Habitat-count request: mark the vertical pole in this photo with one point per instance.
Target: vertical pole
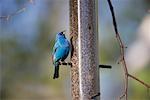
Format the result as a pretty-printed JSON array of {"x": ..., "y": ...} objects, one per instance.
[
  {"x": 85, "y": 69},
  {"x": 74, "y": 54},
  {"x": 88, "y": 49}
]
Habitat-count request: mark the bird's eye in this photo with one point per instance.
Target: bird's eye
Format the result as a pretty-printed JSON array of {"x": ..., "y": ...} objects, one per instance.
[{"x": 61, "y": 33}]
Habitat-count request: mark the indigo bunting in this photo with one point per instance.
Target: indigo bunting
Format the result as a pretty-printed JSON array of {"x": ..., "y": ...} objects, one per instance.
[{"x": 60, "y": 52}]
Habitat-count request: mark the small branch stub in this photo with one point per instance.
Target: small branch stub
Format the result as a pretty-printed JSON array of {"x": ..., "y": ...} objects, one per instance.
[{"x": 105, "y": 66}]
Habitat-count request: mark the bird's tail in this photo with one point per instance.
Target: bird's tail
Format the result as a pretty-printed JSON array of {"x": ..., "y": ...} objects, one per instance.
[{"x": 56, "y": 71}]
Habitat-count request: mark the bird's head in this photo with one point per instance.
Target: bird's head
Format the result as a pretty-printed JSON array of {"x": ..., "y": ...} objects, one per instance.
[{"x": 60, "y": 35}]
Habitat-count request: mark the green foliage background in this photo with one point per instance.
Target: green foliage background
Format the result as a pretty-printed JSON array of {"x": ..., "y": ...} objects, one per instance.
[{"x": 26, "y": 42}]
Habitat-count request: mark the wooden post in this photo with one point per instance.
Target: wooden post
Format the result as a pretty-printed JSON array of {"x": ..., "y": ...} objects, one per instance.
[{"x": 84, "y": 33}]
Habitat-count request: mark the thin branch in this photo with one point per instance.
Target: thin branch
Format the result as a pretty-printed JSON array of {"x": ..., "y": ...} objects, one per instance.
[
  {"x": 20, "y": 10},
  {"x": 143, "y": 83},
  {"x": 121, "y": 50},
  {"x": 122, "y": 53},
  {"x": 32, "y": 1}
]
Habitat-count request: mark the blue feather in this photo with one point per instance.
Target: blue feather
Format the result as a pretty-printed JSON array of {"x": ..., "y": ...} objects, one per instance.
[{"x": 60, "y": 51}]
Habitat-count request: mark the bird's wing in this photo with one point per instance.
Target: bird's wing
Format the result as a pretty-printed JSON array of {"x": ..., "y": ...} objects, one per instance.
[
  {"x": 63, "y": 42},
  {"x": 54, "y": 50}
]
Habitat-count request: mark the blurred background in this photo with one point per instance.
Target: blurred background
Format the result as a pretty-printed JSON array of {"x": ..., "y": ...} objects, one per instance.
[{"x": 27, "y": 38}]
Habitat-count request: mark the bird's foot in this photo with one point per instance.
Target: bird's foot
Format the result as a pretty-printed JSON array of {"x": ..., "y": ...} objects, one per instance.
[{"x": 64, "y": 63}]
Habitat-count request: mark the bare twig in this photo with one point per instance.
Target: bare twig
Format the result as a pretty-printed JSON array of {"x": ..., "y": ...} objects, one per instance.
[
  {"x": 133, "y": 77},
  {"x": 20, "y": 10},
  {"x": 122, "y": 57},
  {"x": 32, "y": 1}
]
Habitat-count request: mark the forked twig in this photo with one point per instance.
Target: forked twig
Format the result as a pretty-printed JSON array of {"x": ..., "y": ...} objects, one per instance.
[
  {"x": 20, "y": 10},
  {"x": 122, "y": 53}
]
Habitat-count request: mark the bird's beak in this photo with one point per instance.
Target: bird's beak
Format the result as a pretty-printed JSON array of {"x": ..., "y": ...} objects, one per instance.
[{"x": 63, "y": 31}]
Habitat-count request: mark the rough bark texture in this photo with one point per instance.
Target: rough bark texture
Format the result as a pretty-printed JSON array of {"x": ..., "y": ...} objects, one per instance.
[{"x": 74, "y": 54}]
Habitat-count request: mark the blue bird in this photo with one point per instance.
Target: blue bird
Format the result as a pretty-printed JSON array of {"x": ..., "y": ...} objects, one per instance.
[{"x": 60, "y": 52}]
